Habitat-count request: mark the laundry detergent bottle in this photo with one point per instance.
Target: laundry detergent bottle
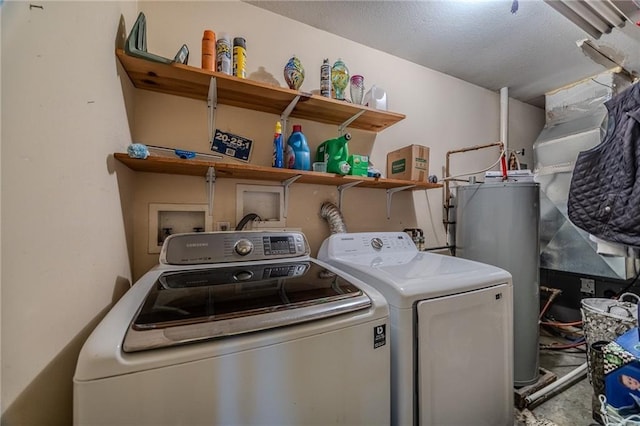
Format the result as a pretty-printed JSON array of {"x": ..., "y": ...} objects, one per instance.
[
  {"x": 298, "y": 150},
  {"x": 335, "y": 153}
]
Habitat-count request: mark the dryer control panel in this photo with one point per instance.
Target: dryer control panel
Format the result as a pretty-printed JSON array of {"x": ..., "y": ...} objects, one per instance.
[{"x": 221, "y": 247}]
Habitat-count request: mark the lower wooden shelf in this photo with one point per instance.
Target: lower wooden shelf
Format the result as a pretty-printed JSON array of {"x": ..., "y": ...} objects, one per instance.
[{"x": 197, "y": 167}]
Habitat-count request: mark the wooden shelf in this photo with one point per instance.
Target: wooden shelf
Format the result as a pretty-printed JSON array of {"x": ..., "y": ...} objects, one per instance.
[
  {"x": 195, "y": 167},
  {"x": 192, "y": 82}
]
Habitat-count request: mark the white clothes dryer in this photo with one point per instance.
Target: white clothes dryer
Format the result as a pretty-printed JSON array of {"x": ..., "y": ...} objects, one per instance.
[
  {"x": 238, "y": 328},
  {"x": 451, "y": 329}
]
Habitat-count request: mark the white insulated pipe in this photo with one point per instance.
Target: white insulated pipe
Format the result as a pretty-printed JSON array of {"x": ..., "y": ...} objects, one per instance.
[
  {"x": 545, "y": 392},
  {"x": 504, "y": 118}
]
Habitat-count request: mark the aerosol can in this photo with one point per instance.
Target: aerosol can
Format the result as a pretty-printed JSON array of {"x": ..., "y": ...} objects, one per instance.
[{"x": 335, "y": 153}]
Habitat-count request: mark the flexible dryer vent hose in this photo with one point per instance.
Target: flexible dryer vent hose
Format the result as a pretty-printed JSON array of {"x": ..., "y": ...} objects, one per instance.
[{"x": 331, "y": 213}]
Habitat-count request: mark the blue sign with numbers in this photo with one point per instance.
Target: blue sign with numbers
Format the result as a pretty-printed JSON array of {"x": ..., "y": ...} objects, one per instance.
[{"x": 231, "y": 145}]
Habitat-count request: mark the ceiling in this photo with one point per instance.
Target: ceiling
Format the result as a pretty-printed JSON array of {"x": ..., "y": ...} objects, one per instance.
[{"x": 531, "y": 51}]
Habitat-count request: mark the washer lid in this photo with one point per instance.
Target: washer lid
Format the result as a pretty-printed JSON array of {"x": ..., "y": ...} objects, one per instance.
[
  {"x": 403, "y": 274},
  {"x": 188, "y": 306},
  {"x": 402, "y": 281}
]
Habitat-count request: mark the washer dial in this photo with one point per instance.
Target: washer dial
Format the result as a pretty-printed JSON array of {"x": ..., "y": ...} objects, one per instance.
[
  {"x": 377, "y": 244},
  {"x": 243, "y": 247}
]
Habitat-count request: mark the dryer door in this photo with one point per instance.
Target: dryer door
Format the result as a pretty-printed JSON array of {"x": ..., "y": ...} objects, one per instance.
[{"x": 465, "y": 358}]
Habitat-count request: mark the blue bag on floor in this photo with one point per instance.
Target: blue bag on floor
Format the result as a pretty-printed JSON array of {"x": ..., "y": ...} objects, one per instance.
[{"x": 622, "y": 379}]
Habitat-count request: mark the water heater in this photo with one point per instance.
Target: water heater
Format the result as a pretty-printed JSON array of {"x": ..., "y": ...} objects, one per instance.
[{"x": 498, "y": 224}]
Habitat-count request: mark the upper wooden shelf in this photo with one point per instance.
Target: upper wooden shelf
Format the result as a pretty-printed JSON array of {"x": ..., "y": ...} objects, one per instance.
[
  {"x": 192, "y": 82},
  {"x": 194, "y": 167}
]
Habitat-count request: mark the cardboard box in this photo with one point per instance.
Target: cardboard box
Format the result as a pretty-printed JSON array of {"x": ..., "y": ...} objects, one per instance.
[{"x": 409, "y": 163}]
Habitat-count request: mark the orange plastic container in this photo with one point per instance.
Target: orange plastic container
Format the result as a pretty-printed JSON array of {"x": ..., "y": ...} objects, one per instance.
[{"x": 209, "y": 50}]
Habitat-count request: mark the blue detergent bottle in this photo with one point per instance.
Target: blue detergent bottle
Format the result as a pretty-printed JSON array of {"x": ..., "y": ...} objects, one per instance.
[{"x": 298, "y": 150}]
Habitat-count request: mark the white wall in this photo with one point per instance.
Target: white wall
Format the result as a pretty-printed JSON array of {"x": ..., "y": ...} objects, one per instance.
[
  {"x": 442, "y": 112},
  {"x": 65, "y": 253},
  {"x": 73, "y": 218}
]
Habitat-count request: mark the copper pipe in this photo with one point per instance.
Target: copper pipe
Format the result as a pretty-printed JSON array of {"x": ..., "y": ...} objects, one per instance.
[
  {"x": 474, "y": 148},
  {"x": 555, "y": 292},
  {"x": 446, "y": 196}
]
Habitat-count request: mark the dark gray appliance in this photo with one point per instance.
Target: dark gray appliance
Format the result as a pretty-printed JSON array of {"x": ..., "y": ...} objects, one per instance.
[{"x": 497, "y": 224}]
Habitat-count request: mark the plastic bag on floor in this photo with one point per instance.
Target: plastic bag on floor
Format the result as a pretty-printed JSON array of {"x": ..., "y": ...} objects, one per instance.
[{"x": 610, "y": 416}]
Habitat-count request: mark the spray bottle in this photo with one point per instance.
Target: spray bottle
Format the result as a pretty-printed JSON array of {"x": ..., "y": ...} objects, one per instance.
[
  {"x": 278, "y": 148},
  {"x": 239, "y": 57},
  {"x": 223, "y": 54}
]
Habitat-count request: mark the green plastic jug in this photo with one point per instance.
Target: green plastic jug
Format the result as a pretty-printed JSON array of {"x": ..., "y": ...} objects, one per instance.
[{"x": 335, "y": 153}]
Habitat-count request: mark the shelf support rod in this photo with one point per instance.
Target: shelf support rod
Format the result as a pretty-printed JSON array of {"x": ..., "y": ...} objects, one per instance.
[
  {"x": 344, "y": 125},
  {"x": 342, "y": 188},
  {"x": 285, "y": 114},
  {"x": 390, "y": 193},
  {"x": 286, "y": 184},
  {"x": 211, "y": 180},
  {"x": 212, "y": 104}
]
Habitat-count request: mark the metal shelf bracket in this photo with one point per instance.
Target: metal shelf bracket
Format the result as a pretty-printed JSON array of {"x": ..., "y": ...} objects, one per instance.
[
  {"x": 286, "y": 184},
  {"x": 211, "y": 180},
  {"x": 344, "y": 125},
  {"x": 212, "y": 104},
  {"x": 285, "y": 114},
  {"x": 341, "y": 188},
  {"x": 390, "y": 193}
]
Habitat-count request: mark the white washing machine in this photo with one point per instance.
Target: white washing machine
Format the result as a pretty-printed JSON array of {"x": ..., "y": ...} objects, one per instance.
[
  {"x": 238, "y": 328},
  {"x": 451, "y": 329}
]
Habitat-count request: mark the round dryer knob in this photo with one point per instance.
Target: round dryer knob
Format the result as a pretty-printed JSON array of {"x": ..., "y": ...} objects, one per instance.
[
  {"x": 377, "y": 243},
  {"x": 243, "y": 247}
]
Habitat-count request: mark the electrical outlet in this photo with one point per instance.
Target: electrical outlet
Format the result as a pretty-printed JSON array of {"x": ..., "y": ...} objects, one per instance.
[
  {"x": 222, "y": 226},
  {"x": 587, "y": 286}
]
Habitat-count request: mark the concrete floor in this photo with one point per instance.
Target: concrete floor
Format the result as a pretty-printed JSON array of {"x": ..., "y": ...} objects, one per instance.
[{"x": 570, "y": 405}]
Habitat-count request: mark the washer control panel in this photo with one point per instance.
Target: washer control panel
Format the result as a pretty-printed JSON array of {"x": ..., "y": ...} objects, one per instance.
[
  {"x": 220, "y": 247},
  {"x": 362, "y": 243}
]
